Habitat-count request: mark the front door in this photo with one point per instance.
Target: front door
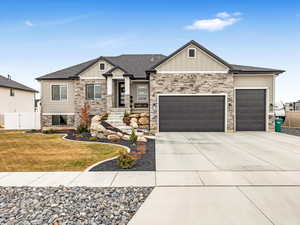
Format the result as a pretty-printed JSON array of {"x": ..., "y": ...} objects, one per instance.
[{"x": 121, "y": 90}]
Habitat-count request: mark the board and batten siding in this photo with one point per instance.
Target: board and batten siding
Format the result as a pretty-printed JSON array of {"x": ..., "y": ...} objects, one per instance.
[
  {"x": 94, "y": 70},
  {"x": 49, "y": 106},
  {"x": 260, "y": 81},
  {"x": 181, "y": 62}
]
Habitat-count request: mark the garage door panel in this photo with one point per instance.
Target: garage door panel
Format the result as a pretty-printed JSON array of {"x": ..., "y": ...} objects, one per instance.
[
  {"x": 191, "y": 113},
  {"x": 250, "y": 109}
]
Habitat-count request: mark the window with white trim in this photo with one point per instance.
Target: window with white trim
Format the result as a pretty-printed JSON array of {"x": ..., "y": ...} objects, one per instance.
[
  {"x": 192, "y": 53},
  {"x": 102, "y": 66},
  {"x": 59, "y": 92},
  {"x": 93, "y": 91},
  {"x": 58, "y": 120},
  {"x": 12, "y": 92},
  {"x": 142, "y": 93}
]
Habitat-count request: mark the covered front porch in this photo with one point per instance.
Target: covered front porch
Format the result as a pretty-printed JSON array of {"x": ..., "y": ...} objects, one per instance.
[{"x": 124, "y": 92}]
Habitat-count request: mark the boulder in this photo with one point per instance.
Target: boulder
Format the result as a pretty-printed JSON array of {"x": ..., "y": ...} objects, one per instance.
[
  {"x": 142, "y": 139},
  {"x": 144, "y": 114},
  {"x": 125, "y": 137},
  {"x": 96, "y": 118},
  {"x": 134, "y": 125},
  {"x": 119, "y": 134},
  {"x": 113, "y": 137},
  {"x": 144, "y": 120},
  {"x": 100, "y": 135},
  {"x": 133, "y": 120},
  {"x": 134, "y": 116}
]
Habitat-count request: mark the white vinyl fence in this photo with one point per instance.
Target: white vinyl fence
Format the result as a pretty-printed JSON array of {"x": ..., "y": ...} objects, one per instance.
[{"x": 22, "y": 121}]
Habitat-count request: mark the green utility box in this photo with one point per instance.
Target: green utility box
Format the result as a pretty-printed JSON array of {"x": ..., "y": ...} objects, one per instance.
[{"x": 278, "y": 123}]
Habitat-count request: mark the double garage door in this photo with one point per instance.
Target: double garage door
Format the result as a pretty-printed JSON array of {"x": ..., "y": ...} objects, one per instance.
[{"x": 206, "y": 113}]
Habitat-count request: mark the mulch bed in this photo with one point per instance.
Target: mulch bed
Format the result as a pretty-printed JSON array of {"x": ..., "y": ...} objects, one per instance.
[
  {"x": 146, "y": 162},
  {"x": 291, "y": 131}
]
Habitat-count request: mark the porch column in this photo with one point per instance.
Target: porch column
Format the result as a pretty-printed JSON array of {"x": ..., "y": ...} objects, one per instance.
[
  {"x": 127, "y": 92},
  {"x": 109, "y": 84}
]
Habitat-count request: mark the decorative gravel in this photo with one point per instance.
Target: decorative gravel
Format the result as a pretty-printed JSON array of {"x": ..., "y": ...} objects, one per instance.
[
  {"x": 291, "y": 131},
  {"x": 70, "y": 205}
]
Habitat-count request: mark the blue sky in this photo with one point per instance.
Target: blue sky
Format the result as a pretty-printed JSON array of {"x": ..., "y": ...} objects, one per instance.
[{"x": 38, "y": 37}]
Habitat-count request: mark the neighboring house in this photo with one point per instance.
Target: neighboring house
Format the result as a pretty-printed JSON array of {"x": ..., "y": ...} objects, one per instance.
[
  {"x": 15, "y": 97},
  {"x": 192, "y": 89},
  {"x": 292, "y": 106}
]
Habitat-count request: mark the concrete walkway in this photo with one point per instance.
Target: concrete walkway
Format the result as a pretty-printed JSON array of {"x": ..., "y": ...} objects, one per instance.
[
  {"x": 220, "y": 206},
  {"x": 159, "y": 178}
]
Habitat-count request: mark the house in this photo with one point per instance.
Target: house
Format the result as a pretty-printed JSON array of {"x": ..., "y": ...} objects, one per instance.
[
  {"x": 292, "y": 106},
  {"x": 192, "y": 89},
  {"x": 15, "y": 97}
]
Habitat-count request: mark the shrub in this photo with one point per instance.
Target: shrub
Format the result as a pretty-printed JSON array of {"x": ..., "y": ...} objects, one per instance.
[
  {"x": 93, "y": 138},
  {"x": 51, "y": 131},
  {"x": 85, "y": 119},
  {"x": 125, "y": 161},
  {"x": 32, "y": 131},
  {"x": 104, "y": 117},
  {"x": 82, "y": 129},
  {"x": 126, "y": 114},
  {"x": 133, "y": 137}
]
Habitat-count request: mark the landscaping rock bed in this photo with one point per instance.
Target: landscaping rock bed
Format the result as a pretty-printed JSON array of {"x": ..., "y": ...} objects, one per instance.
[
  {"x": 291, "y": 131},
  {"x": 70, "y": 205},
  {"x": 145, "y": 163}
]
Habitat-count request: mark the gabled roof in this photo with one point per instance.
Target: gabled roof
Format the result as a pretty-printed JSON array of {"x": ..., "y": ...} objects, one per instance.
[
  {"x": 134, "y": 64},
  {"x": 137, "y": 65},
  {"x": 69, "y": 72},
  {"x": 8, "y": 83},
  {"x": 192, "y": 42}
]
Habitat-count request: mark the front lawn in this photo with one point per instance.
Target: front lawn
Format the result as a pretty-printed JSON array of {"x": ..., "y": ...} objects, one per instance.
[{"x": 20, "y": 151}]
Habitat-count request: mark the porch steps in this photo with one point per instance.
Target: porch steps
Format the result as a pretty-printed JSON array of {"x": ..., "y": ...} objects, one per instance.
[{"x": 115, "y": 118}]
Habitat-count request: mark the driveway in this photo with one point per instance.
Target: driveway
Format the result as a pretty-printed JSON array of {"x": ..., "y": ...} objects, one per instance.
[
  {"x": 241, "y": 151},
  {"x": 241, "y": 178}
]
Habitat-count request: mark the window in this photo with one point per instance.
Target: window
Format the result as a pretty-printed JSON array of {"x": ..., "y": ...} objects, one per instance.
[
  {"x": 93, "y": 91},
  {"x": 142, "y": 93},
  {"x": 192, "y": 53},
  {"x": 59, "y": 120},
  {"x": 12, "y": 92},
  {"x": 59, "y": 92},
  {"x": 102, "y": 66}
]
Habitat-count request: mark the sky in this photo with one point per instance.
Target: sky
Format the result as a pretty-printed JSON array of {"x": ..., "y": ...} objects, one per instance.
[{"x": 39, "y": 37}]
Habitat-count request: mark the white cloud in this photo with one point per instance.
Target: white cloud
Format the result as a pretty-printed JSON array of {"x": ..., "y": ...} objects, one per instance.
[
  {"x": 28, "y": 23},
  {"x": 212, "y": 24},
  {"x": 237, "y": 14},
  {"x": 223, "y": 15},
  {"x": 222, "y": 20}
]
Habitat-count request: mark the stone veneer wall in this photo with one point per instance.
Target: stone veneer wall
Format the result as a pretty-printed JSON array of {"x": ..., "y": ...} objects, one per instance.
[
  {"x": 46, "y": 121},
  {"x": 97, "y": 106},
  {"x": 191, "y": 84},
  {"x": 271, "y": 122}
]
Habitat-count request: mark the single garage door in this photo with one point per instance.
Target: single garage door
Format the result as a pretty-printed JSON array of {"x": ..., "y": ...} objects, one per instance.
[
  {"x": 191, "y": 113},
  {"x": 250, "y": 109}
]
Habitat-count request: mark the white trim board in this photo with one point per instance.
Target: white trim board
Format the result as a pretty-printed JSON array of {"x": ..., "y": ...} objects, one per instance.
[
  {"x": 189, "y": 72},
  {"x": 267, "y": 105},
  {"x": 202, "y": 94},
  {"x": 62, "y": 114}
]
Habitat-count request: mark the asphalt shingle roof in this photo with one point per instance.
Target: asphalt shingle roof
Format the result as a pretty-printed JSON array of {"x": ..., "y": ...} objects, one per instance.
[
  {"x": 138, "y": 64},
  {"x": 240, "y": 68},
  {"x": 8, "y": 83}
]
